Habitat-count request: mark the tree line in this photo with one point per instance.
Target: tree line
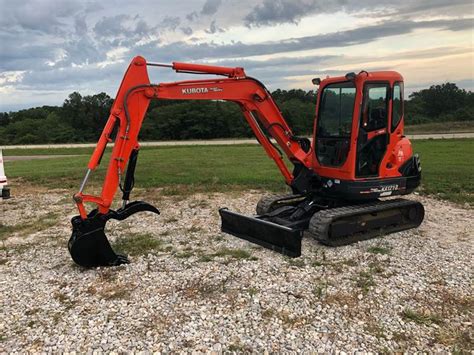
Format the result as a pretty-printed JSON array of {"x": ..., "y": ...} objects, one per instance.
[{"x": 81, "y": 118}]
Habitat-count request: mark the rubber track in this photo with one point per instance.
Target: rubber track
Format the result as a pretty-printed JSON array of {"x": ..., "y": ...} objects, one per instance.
[{"x": 322, "y": 220}]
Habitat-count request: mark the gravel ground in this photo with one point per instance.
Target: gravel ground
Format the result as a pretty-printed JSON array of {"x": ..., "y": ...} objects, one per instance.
[{"x": 191, "y": 287}]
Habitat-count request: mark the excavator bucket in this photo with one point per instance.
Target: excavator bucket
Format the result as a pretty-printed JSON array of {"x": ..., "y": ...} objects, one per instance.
[
  {"x": 270, "y": 235},
  {"x": 89, "y": 246}
]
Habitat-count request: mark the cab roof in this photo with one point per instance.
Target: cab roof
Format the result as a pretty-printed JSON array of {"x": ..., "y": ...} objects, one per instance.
[{"x": 388, "y": 75}]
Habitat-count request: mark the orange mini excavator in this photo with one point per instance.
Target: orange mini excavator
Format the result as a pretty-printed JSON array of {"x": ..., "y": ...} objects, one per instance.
[{"x": 357, "y": 156}]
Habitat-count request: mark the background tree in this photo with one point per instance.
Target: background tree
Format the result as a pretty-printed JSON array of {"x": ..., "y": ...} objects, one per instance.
[
  {"x": 445, "y": 102},
  {"x": 81, "y": 118}
]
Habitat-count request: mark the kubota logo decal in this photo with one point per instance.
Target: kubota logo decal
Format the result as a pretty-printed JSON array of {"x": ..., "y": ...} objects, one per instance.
[{"x": 187, "y": 91}]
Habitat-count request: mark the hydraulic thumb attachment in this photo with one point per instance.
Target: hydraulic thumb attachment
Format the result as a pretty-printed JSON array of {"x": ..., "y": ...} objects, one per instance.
[{"x": 88, "y": 245}]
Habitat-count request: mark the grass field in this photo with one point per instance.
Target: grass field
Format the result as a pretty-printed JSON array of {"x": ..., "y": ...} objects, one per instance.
[
  {"x": 448, "y": 168},
  {"x": 441, "y": 127}
]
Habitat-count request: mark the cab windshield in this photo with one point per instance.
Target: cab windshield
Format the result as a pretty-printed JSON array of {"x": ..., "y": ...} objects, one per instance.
[
  {"x": 335, "y": 123},
  {"x": 335, "y": 111}
]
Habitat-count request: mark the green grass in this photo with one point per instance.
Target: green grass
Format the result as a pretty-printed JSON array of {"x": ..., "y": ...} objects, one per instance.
[
  {"x": 49, "y": 151},
  {"x": 215, "y": 167},
  {"x": 448, "y": 168},
  {"x": 441, "y": 127},
  {"x": 138, "y": 244},
  {"x": 234, "y": 253},
  {"x": 320, "y": 289},
  {"x": 379, "y": 250},
  {"x": 42, "y": 223},
  {"x": 365, "y": 281},
  {"x": 238, "y": 254},
  {"x": 184, "y": 255},
  {"x": 421, "y": 318}
]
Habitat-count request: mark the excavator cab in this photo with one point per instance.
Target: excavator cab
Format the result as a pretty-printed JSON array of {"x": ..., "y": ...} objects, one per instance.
[
  {"x": 360, "y": 150},
  {"x": 358, "y": 155}
]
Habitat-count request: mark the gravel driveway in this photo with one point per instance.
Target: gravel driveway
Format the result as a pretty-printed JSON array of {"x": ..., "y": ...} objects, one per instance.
[{"x": 191, "y": 287}]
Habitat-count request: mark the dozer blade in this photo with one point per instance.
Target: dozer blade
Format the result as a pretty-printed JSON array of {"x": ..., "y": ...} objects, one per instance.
[
  {"x": 270, "y": 235},
  {"x": 89, "y": 246}
]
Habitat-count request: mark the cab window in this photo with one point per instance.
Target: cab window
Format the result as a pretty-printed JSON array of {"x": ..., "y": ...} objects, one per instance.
[
  {"x": 397, "y": 105},
  {"x": 335, "y": 123},
  {"x": 375, "y": 107},
  {"x": 335, "y": 114}
]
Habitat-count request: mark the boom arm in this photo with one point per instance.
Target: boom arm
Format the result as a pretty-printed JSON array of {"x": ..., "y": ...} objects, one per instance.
[{"x": 132, "y": 100}]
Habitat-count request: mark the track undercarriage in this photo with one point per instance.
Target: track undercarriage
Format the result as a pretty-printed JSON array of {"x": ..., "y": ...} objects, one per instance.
[{"x": 282, "y": 220}]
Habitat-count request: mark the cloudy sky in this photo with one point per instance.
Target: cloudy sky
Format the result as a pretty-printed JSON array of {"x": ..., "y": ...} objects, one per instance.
[{"x": 50, "y": 48}]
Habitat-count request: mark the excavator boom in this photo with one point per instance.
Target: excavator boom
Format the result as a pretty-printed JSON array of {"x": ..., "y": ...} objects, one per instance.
[
  {"x": 88, "y": 244},
  {"x": 133, "y": 98}
]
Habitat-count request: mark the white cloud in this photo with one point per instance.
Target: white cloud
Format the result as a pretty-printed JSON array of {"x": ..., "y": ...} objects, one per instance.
[
  {"x": 10, "y": 77},
  {"x": 61, "y": 46}
]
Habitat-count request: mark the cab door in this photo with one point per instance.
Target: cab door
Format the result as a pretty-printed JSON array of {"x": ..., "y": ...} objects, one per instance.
[
  {"x": 334, "y": 124},
  {"x": 373, "y": 135}
]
